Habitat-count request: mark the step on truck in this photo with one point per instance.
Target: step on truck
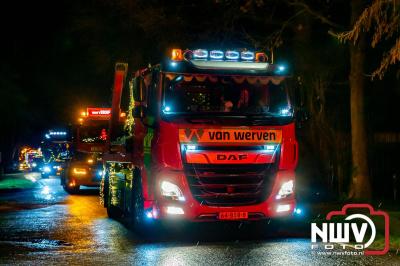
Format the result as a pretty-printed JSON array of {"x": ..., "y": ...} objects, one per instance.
[{"x": 209, "y": 136}]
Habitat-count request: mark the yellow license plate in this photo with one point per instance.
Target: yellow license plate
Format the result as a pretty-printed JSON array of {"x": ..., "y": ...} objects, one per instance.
[{"x": 233, "y": 215}]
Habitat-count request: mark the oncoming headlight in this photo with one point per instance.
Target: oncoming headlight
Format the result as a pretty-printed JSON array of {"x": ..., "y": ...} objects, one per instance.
[
  {"x": 171, "y": 190},
  {"x": 285, "y": 190},
  {"x": 47, "y": 169}
]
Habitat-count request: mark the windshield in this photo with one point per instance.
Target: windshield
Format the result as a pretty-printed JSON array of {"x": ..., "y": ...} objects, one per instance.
[
  {"x": 53, "y": 151},
  {"x": 228, "y": 95},
  {"x": 93, "y": 133}
]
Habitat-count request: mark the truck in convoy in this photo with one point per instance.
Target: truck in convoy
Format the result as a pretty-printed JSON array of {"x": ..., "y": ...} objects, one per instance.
[
  {"x": 56, "y": 150},
  {"x": 30, "y": 158},
  {"x": 89, "y": 142},
  {"x": 209, "y": 136}
]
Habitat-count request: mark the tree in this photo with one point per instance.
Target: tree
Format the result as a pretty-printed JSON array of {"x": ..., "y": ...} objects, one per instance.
[
  {"x": 360, "y": 187},
  {"x": 382, "y": 18},
  {"x": 360, "y": 184}
]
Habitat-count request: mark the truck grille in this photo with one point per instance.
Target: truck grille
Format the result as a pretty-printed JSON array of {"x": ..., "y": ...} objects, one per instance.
[{"x": 230, "y": 185}]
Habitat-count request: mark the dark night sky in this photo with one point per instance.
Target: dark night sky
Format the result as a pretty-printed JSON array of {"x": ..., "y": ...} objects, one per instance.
[
  {"x": 58, "y": 56},
  {"x": 51, "y": 60}
]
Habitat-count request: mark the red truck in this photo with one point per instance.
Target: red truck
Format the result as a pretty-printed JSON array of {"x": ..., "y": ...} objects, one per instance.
[
  {"x": 89, "y": 142},
  {"x": 210, "y": 136}
]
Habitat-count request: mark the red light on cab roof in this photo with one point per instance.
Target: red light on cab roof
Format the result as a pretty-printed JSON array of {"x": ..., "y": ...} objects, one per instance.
[{"x": 93, "y": 111}]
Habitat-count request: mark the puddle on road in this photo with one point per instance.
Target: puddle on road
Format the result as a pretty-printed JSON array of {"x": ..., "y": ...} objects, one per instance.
[
  {"x": 38, "y": 244},
  {"x": 16, "y": 206}
]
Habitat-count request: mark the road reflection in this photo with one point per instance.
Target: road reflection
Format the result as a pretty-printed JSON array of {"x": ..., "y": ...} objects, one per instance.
[{"x": 32, "y": 176}]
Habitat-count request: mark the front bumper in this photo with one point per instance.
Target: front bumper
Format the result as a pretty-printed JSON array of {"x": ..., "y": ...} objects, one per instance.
[{"x": 195, "y": 211}]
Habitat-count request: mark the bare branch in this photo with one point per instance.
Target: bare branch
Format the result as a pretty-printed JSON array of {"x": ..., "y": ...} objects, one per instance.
[
  {"x": 273, "y": 40},
  {"x": 383, "y": 17},
  {"x": 390, "y": 58},
  {"x": 375, "y": 12},
  {"x": 315, "y": 14}
]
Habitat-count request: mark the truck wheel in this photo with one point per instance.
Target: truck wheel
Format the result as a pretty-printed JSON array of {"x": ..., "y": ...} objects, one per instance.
[
  {"x": 136, "y": 217},
  {"x": 112, "y": 211},
  {"x": 71, "y": 190},
  {"x": 63, "y": 178}
]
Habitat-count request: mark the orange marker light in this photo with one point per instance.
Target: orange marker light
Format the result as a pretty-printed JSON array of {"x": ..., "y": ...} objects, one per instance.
[
  {"x": 122, "y": 114},
  {"x": 261, "y": 57},
  {"x": 83, "y": 113},
  {"x": 79, "y": 171},
  {"x": 177, "y": 55}
]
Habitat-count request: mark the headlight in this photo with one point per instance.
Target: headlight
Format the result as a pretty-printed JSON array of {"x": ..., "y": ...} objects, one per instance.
[
  {"x": 285, "y": 190},
  {"x": 79, "y": 171},
  {"x": 47, "y": 169},
  {"x": 270, "y": 148},
  {"x": 171, "y": 190}
]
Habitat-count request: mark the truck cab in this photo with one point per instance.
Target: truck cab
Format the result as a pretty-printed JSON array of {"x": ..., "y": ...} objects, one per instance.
[
  {"x": 56, "y": 150},
  {"x": 210, "y": 136},
  {"x": 89, "y": 142}
]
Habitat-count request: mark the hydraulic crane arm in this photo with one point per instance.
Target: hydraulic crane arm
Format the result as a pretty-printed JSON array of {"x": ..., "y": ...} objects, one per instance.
[{"x": 121, "y": 70}]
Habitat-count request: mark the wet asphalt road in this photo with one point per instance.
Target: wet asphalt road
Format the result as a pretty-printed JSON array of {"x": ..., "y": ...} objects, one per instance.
[{"x": 48, "y": 226}]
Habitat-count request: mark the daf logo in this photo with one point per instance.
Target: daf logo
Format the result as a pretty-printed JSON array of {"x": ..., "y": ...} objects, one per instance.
[{"x": 231, "y": 157}]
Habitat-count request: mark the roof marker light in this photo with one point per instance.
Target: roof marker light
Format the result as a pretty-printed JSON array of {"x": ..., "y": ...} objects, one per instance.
[
  {"x": 216, "y": 55},
  {"x": 200, "y": 54},
  {"x": 177, "y": 55},
  {"x": 247, "y": 55},
  {"x": 232, "y": 55}
]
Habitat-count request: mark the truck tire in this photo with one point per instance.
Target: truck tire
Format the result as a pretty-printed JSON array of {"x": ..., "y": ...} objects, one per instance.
[
  {"x": 112, "y": 211},
  {"x": 136, "y": 218},
  {"x": 71, "y": 190}
]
